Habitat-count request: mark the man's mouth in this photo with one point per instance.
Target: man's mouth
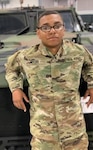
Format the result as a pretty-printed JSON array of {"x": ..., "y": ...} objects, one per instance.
[{"x": 52, "y": 38}]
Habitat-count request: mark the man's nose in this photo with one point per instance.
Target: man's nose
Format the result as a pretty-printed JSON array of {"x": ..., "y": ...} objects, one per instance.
[{"x": 52, "y": 29}]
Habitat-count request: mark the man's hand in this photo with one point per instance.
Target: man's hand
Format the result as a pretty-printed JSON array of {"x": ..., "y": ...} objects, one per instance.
[
  {"x": 17, "y": 96},
  {"x": 89, "y": 92}
]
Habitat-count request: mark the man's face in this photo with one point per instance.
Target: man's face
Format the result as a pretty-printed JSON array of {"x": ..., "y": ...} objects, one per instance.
[{"x": 51, "y": 30}]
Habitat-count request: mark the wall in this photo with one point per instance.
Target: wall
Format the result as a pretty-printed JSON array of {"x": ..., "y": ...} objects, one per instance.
[
  {"x": 85, "y": 6},
  {"x": 26, "y": 3},
  {"x": 82, "y": 6},
  {"x": 46, "y": 3},
  {"x": 53, "y": 3}
]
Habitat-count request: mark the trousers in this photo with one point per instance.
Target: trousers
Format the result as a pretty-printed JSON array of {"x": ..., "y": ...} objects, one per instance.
[{"x": 76, "y": 144}]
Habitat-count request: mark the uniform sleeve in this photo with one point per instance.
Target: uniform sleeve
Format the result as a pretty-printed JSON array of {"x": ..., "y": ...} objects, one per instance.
[
  {"x": 14, "y": 75},
  {"x": 87, "y": 71}
]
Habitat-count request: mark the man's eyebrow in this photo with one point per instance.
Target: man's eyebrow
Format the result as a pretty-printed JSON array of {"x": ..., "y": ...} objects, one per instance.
[
  {"x": 45, "y": 24},
  {"x": 57, "y": 22}
]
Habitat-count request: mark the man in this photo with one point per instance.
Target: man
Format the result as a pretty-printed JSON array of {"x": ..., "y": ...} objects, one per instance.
[{"x": 53, "y": 70}]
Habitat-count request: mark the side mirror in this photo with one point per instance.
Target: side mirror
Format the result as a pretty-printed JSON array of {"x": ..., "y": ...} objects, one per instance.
[
  {"x": 86, "y": 25},
  {"x": 90, "y": 27}
]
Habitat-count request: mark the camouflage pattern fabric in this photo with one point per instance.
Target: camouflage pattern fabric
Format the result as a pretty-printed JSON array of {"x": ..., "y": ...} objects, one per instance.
[{"x": 56, "y": 122}]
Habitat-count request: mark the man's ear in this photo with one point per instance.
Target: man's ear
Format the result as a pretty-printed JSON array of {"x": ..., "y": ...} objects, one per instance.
[
  {"x": 64, "y": 29},
  {"x": 38, "y": 33}
]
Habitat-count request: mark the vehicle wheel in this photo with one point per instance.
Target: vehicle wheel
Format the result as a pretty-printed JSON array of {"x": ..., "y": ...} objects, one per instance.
[{"x": 77, "y": 39}]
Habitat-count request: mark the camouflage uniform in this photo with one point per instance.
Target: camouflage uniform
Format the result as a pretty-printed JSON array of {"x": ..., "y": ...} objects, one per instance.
[{"x": 57, "y": 122}]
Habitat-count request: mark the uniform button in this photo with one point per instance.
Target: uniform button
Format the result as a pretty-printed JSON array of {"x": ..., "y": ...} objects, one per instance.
[{"x": 51, "y": 115}]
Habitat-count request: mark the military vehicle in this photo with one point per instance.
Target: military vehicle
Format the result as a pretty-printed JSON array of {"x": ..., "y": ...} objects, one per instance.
[
  {"x": 18, "y": 31},
  {"x": 88, "y": 21}
]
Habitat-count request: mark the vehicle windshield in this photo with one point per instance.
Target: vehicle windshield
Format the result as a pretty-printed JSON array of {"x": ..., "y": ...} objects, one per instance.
[
  {"x": 16, "y": 22},
  {"x": 71, "y": 23},
  {"x": 68, "y": 21},
  {"x": 12, "y": 23}
]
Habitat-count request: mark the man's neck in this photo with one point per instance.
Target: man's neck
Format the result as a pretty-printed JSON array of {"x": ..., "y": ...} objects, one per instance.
[{"x": 54, "y": 50}]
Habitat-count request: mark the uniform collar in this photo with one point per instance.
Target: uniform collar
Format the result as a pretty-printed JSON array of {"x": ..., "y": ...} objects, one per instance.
[{"x": 47, "y": 53}]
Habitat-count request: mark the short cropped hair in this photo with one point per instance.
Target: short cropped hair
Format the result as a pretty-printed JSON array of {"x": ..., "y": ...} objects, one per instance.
[{"x": 47, "y": 12}]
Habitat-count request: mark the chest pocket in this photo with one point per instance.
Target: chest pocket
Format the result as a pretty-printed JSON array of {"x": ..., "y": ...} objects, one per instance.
[
  {"x": 38, "y": 71},
  {"x": 73, "y": 64},
  {"x": 67, "y": 71}
]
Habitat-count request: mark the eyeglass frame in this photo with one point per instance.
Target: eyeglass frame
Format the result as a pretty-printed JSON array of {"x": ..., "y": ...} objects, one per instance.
[{"x": 50, "y": 27}]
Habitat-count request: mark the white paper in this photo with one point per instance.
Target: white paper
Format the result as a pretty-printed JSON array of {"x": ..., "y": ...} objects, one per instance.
[{"x": 84, "y": 105}]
